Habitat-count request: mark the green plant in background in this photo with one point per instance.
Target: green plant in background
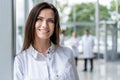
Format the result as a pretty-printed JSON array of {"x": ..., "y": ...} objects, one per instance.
[{"x": 85, "y": 12}]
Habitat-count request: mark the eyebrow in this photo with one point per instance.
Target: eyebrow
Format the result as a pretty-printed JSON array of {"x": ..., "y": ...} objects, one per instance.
[{"x": 43, "y": 17}]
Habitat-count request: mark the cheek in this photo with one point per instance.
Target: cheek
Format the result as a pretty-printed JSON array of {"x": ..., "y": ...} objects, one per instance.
[
  {"x": 37, "y": 25},
  {"x": 36, "y": 28},
  {"x": 52, "y": 29},
  {"x": 35, "y": 32}
]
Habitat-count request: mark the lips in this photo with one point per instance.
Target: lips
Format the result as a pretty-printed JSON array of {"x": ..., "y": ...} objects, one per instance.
[{"x": 43, "y": 30}]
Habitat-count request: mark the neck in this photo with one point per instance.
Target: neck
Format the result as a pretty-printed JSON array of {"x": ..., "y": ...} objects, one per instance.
[{"x": 42, "y": 46}]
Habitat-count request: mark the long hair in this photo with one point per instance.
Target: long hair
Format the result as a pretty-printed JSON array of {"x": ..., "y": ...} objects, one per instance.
[{"x": 29, "y": 35}]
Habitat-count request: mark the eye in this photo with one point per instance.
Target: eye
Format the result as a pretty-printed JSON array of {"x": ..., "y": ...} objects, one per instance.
[
  {"x": 39, "y": 19},
  {"x": 50, "y": 21}
]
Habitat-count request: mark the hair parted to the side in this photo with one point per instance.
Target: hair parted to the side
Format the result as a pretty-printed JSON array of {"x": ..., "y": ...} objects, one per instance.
[{"x": 29, "y": 35}]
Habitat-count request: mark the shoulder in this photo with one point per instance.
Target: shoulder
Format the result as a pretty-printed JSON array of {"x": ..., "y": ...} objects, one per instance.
[
  {"x": 63, "y": 50},
  {"x": 91, "y": 36},
  {"x": 24, "y": 53},
  {"x": 83, "y": 37},
  {"x": 20, "y": 57}
]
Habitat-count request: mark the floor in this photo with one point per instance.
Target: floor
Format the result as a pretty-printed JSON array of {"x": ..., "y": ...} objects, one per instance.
[{"x": 102, "y": 70}]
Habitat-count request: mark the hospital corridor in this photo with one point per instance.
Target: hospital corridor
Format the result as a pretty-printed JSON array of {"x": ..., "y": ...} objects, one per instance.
[
  {"x": 101, "y": 19},
  {"x": 102, "y": 71}
]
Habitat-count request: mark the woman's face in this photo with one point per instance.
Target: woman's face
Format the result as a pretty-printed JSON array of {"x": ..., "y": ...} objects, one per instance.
[{"x": 44, "y": 26}]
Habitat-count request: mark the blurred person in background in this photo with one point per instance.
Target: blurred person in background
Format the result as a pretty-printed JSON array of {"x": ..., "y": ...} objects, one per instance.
[
  {"x": 42, "y": 58},
  {"x": 73, "y": 44},
  {"x": 62, "y": 37},
  {"x": 87, "y": 45}
]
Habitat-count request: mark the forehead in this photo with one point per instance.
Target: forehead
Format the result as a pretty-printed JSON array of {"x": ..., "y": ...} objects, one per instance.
[{"x": 48, "y": 13}]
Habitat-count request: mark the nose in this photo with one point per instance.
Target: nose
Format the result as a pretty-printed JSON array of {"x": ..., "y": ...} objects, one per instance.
[{"x": 44, "y": 23}]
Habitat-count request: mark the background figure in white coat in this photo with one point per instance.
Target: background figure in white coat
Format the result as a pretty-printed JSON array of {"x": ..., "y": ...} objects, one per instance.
[
  {"x": 87, "y": 45},
  {"x": 73, "y": 44},
  {"x": 62, "y": 37}
]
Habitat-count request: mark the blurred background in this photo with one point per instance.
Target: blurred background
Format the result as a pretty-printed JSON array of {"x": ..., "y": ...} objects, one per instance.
[{"x": 101, "y": 17}]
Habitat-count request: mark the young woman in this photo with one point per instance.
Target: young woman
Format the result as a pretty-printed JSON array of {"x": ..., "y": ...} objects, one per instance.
[{"x": 42, "y": 58}]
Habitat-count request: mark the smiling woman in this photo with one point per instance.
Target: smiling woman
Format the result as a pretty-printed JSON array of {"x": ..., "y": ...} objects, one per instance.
[
  {"x": 42, "y": 58},
  {"x": 44, "y": 26}
]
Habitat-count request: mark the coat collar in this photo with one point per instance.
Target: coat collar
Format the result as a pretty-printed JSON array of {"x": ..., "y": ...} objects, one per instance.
[{"x": 37, "y": 54}]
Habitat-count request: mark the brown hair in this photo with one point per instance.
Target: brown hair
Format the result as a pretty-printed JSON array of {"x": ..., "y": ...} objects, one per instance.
[
  {"x": 87, "y": 30},
  {"x": 29, "y": 35}
]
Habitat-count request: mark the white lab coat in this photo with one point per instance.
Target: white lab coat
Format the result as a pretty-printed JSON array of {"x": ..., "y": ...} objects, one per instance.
[
  {"x": 87, "y": 46},
  {"x": 73, "y": 44}
]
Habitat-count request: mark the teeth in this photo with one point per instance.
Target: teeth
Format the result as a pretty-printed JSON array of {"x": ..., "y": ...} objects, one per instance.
[{"x": 43, "y": 30}]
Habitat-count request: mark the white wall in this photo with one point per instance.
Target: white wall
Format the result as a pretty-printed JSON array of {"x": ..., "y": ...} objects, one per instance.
[{"x": 6, "y": 41}]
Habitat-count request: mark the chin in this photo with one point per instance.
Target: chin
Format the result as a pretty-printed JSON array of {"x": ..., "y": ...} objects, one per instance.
[{"x": 45, "y": 37}]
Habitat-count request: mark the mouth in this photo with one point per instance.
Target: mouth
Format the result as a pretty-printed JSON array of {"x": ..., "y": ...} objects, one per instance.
[{"x": 43, "y": 30}]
